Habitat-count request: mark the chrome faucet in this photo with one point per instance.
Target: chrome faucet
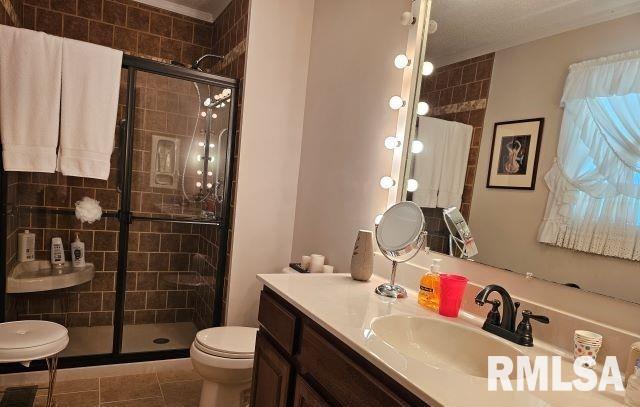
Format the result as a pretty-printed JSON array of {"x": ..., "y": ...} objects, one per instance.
[{"x": 505, "y": 327}]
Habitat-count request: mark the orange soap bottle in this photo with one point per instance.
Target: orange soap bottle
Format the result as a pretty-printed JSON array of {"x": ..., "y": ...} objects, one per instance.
[{"x": 429, "y": 295}]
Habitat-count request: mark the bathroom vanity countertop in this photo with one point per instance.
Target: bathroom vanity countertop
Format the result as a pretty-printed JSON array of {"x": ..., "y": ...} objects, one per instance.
[{"x": 346, "y": 308}]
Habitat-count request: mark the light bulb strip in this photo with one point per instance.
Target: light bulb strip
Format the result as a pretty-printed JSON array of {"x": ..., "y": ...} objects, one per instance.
[{"x": 411, "y": 86}]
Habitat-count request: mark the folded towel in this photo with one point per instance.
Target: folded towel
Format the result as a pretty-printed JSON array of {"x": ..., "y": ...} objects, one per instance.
[
  {"x": 454, "y": 167},
  {"x": 30, "y": 69},
  {"x": 90, "y": 88}
]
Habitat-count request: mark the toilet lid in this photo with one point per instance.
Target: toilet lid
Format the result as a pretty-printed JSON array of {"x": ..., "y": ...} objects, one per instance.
[
  {"x": 236, "y": 342},
  {"x": 28, "y": 334}
]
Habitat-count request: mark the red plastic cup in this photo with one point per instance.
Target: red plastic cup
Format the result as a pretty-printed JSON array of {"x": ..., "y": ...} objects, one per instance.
[{"x": 451, "y": 292}]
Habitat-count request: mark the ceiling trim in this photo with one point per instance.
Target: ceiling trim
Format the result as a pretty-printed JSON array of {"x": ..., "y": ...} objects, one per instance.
[
  {"x": 180, "y": 9},
  {"x": 624, "y": 11}
]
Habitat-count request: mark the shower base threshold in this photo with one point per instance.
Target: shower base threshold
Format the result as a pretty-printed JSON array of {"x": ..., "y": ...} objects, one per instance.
[{"x": 97, "y": 340}]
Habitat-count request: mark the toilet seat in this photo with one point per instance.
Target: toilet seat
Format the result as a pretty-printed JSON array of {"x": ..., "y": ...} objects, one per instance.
[
  {"x": 27, "y": 340},
  {"x": 230, "y": 342}
]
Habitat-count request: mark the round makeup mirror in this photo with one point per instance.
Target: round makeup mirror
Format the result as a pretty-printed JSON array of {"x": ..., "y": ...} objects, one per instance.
[{"x": 400, "y": 236}]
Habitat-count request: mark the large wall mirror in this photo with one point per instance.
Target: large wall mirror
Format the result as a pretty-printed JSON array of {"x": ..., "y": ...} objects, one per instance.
[{"x": 533, "y": 133}]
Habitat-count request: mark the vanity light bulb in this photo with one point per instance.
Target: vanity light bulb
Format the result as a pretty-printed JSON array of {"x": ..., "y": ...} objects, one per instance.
[
  {"x": 427, "y": 68},
  {"x": 199, "y": 157},
  {"x": 378, "y": 219},
  {"x": 417, "y": 146},
  {"x": 216, "y": 97},
  {"x": 215, "y": 116},
  {"x": 226, "y": 92},
  {"x": 423, "y": 108},
  {"x": 203, "y": 114},
  {"x": 396, "y": 102},
  {"x": 210, "y": 173},
  {"x": 222, "y": 105},
  {"x": 401, "y": 61},
  {"x": 198, "y": 184},
  {"x": 199, "y": 172},
  {"x": 392, "y": 142},
  {"x": 201, "y": 144},
  {"x": 209, "y": 185},
  {"x": 211, "y": 145},
  {"x": 207, "y": 102},
  {"x": 387, "y": 182},
  {"x": 412, "y": 185}
]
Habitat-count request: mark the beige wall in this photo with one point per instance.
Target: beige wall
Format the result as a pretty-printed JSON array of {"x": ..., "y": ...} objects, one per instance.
[
  {"x": 527, "y": 82},
  {"x": 272, "y": 119},
  {"x": 351, "y": 78}
]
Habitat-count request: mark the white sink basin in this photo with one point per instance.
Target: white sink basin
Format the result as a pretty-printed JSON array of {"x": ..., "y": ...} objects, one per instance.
[
  {"x": 32, "y": 276},
  {"x": 442, "y": 344}
]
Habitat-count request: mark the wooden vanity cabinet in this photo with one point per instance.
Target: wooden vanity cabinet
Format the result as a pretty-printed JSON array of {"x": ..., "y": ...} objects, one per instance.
[{"x": 298, "y": 363}]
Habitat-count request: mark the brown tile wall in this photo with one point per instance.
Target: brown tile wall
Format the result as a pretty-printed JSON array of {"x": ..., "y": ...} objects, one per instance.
[
  {"x": 133, "y": 27},
  {"x": 458, "y": 92}
]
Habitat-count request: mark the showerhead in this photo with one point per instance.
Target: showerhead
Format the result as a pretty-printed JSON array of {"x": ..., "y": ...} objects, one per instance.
[{"x": 197, "y": 62}]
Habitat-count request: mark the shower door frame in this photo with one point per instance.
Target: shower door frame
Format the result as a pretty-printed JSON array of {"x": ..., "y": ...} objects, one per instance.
[{"x": 125, "y": 217}]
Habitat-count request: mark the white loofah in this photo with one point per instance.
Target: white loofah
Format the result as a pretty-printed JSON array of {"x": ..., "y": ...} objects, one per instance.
[{"x": 88, "y": 210}]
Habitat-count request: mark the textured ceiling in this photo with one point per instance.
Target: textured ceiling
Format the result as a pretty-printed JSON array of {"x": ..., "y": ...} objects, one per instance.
[{"x": 468, "y": 28}]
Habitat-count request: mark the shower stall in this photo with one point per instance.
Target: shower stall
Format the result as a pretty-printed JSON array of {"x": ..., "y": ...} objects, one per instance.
[{"x": 159, "y": 253}]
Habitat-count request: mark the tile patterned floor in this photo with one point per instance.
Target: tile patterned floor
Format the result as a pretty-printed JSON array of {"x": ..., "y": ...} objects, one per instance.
[{"x": 163, "y": 389}]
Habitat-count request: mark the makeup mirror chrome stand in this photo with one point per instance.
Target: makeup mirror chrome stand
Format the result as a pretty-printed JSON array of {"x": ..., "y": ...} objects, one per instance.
[{"x": 400, "y": 236}]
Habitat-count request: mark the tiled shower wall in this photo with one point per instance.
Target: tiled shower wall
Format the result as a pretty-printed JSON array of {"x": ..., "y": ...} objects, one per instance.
[
  {"x": 164, "y": 257},
  {"x": 458, "y": 92}
]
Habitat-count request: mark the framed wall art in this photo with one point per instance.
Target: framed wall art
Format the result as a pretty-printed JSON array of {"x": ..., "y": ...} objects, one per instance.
[{"x": 515, "y": 150}]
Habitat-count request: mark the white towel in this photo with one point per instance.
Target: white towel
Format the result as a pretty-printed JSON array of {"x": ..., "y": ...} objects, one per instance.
[
  {"x": 427, "y": 165},
  {"x": 90, "y": 87},
  {"x": 454, "y": 168},
  {"x": 30, "y": 69}
]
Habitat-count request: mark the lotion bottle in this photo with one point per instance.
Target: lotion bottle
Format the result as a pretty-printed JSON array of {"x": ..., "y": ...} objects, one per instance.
[
  {"x": 26, "y": 246},
  {"x": 632, "y": 393},
  {"x": 77, "y": 252},
  {"x": 57, "y": 252},
  {"x": 429, "y": 294}
]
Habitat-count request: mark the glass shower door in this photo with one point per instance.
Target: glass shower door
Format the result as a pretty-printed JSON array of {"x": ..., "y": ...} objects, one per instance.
[{"x": 179, "y": 168}]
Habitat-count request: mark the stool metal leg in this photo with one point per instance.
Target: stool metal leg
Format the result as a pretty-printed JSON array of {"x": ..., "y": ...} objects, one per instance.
[{"x": 52, "y": 365}]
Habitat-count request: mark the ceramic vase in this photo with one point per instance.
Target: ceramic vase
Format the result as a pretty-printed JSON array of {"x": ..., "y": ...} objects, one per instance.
[{"x": 362, "y": 258}]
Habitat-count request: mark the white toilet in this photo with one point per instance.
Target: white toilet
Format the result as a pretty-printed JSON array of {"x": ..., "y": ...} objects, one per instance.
[{"x": 223, "y": 356}]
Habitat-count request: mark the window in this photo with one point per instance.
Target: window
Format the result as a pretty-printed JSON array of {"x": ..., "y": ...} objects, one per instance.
[{"x": 594, "y": 184}]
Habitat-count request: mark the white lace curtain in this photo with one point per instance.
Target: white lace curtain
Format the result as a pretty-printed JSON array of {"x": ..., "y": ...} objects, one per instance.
[{"x": 594, "y": 198}]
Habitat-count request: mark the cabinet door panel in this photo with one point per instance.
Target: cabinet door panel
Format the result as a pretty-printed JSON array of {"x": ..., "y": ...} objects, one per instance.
[
  {"x": 271, "y": 376},
  {"x": 340, "y": 376},
  {"x": 305, "y": 396}
]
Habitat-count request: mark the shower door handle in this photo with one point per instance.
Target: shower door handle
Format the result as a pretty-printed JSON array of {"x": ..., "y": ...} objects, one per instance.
[{"x": 123, "y": 146}]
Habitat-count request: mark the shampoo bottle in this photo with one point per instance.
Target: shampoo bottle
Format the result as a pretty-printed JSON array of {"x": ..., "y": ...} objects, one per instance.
[
  {"x": 429, "y": 295},
  {"x": 26, "y": 246},
  {"x": 77, "y": 252},
  {"x": 57, "y": 252}
]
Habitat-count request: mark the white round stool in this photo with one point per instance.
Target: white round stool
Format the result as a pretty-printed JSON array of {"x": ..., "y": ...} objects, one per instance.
[{"x": 25, "y": 341}]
